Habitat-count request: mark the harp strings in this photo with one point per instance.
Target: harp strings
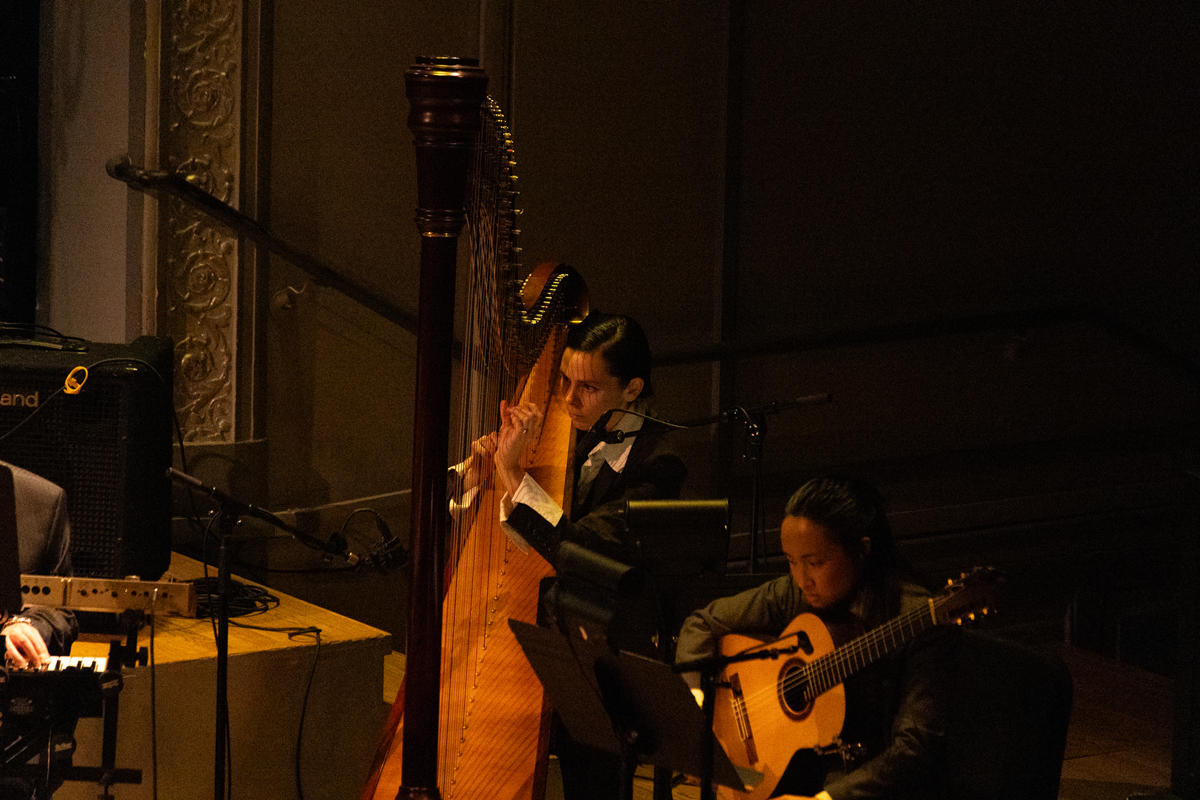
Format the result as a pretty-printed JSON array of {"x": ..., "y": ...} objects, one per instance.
[{"x": 492, "y": 331}]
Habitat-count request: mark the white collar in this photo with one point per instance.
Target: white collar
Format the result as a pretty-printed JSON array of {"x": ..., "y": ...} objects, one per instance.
[{"x": 614, "y": 454}]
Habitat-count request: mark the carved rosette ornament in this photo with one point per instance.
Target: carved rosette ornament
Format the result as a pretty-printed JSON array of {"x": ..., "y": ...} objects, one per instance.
[{"x": 199, "y": 266}]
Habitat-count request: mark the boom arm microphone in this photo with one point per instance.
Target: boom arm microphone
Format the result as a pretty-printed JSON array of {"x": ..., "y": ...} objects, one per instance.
[
  {"x": 615, "y": 437},
  {"x": 336, "y": 544}
]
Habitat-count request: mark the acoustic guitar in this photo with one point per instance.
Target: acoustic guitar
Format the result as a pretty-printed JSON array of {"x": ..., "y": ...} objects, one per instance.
[{"x": 769, "y": 711}]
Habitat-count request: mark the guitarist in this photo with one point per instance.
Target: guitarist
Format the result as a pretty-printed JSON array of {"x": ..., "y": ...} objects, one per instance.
[{"x": 843, "y": 567}]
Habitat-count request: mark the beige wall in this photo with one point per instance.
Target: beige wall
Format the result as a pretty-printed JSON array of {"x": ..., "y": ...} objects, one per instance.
[{"x": 91, "y": 282}]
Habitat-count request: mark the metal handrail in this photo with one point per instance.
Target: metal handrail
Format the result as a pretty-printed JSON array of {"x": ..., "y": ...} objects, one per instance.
[{"x": 177, "y": 186}]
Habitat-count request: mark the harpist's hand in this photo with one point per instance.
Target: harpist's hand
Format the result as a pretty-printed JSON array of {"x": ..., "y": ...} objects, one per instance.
[
  {"x": 818, "y": 796},
  {"x": 26, "y": 648},
  {"x": 519, "y": 428},
  {"x": 477, "y": 467}
]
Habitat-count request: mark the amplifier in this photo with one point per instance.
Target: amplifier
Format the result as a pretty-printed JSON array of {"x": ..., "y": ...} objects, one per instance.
[{"x": 108, "y": 446}]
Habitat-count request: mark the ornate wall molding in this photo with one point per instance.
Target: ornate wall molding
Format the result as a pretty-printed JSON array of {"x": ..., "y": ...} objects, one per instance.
[{"x": 198, "y": 266}]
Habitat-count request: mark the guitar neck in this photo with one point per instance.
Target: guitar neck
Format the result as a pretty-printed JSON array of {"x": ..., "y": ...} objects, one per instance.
[{"x": 823, "y": 673}]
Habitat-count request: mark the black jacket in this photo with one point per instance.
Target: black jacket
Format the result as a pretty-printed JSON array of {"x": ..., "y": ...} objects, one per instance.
[
  {"x": 44, "y": 544},
  {"x": 651, "y": 472}
]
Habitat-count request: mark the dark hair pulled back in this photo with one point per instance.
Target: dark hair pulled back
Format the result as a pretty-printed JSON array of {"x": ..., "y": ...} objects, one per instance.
[
  {"x": 852, "y": 509},
  {"x": 620, "y": 341}
]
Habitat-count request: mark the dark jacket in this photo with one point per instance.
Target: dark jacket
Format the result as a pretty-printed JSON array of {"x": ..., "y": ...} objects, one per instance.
[
  {"x": 44, "y": 544},
  {"x": 651, "y": 472}
]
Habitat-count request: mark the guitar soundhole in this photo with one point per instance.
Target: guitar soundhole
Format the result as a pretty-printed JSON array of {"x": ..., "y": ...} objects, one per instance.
[{"x": 791, "y": 690}]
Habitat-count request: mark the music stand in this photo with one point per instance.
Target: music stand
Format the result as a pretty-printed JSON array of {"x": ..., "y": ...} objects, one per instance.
[
  {"x": 635, "y": 707},
  {"x": 679, "y": 538},
  {"x": 684, "y": 546}
]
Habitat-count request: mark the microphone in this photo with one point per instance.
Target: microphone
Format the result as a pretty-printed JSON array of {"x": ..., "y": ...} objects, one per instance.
[
  {"x": 599, "y": 430},
  {"x": 388, "y": 553},
  {"x": 616, "y": 437},
  {"x": 384, "y": 555},
  {"x": 595, "y": 434},
  {"x": 602, "y": 433},
  {"x": 649, "y": 425}
]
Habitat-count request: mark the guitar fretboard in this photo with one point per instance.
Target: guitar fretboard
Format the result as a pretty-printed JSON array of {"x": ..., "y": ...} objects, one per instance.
[{"x": 822, "y": 674}]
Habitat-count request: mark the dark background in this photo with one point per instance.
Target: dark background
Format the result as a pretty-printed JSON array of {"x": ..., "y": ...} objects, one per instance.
[
  {"x": 18, "y": 160},
  {"x": 974, "y": 226}
]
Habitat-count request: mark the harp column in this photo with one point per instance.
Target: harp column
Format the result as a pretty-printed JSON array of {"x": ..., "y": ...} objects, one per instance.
[{"x": 445, "y": 100}]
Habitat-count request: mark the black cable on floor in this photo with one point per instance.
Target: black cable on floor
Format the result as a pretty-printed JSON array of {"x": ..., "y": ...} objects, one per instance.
[{"x": 292, "y": 634}]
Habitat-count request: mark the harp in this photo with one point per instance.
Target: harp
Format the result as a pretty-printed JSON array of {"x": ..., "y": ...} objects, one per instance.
[{"x": 469, "y": 720}]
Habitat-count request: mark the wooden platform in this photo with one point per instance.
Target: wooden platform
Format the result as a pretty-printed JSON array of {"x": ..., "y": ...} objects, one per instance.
[
  {"x": 268, "y": 680},
  {"x": 1119, "y": 742}
]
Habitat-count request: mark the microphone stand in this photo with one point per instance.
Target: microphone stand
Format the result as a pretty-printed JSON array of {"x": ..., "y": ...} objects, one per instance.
[
  {"x": 709, "y": 668},
  {"x": 177, "y": 186},
  {"x": 755, "y": 424},
  {"x": 335, "y": 546},
  {"x": 226, "y": 517},
  {"x": 226, "y": 520}
]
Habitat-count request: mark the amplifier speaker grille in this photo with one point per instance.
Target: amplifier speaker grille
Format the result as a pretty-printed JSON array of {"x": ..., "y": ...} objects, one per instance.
[{"x": 108, "y": 447}]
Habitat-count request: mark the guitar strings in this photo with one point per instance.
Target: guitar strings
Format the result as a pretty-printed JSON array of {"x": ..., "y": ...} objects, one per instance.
[
  {"x": 482, "y": 380},
  {"x": 833, "y": 668},
  {"x": 823, "y": 671}
]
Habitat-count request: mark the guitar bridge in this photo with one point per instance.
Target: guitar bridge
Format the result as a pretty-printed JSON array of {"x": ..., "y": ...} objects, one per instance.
[{"x": 738, "y": 699}]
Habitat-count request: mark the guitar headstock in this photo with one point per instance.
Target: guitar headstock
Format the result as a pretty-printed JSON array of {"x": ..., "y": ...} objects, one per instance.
[{"x": 973, "y": 593}]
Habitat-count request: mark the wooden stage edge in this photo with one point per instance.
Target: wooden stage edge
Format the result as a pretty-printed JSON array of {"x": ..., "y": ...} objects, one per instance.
[{"x": 268, "y": 680}]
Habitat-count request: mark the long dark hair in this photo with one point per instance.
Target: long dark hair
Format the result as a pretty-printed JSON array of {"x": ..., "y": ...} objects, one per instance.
[
  {"x": 853, "y": 509},
  {"x": 620, "y": 341}
]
